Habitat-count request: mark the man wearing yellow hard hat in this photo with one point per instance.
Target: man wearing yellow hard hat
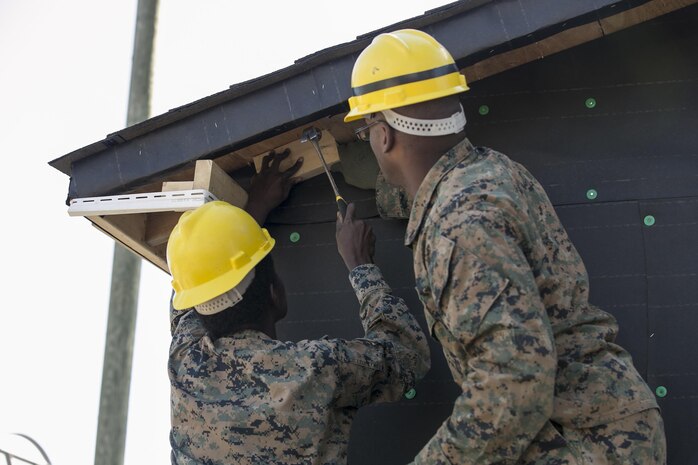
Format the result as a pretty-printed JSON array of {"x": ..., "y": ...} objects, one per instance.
[
  {"x": 239, "y": 395},
  {"x": 504, "y": 290}
]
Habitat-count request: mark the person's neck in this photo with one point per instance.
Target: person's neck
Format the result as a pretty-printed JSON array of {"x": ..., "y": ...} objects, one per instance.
[
  {"x": 422, "y": 159},
  {"x": 414, "y": 178}
]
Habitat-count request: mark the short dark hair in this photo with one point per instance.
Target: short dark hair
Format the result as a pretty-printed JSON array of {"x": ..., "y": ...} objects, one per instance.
[{"x": 256, "y": 301}]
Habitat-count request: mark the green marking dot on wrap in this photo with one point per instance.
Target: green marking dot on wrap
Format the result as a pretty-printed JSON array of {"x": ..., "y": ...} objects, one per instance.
[
  {"x": 411, "y": 393},
  {"x": 295, "y": 237},
  {"x": 592, "y": 194},
  {"x": 649, "y": 220},
  {"x": 661, "y": 391},
  {"x": 590, "y": 102},
  {"x": 484, "y": 109}
]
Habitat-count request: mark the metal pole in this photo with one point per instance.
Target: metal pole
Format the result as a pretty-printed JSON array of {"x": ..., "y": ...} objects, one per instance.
[{"x": 126, "y": 272}]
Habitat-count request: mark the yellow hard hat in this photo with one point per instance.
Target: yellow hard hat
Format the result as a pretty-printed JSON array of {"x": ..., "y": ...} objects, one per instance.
[
  {"x": 402, "y": 68},
  {"x": 211, "y": 249}
]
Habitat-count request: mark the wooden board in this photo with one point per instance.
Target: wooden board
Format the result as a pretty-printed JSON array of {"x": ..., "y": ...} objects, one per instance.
[
  {"x": 312, "y": 166},
  {"x": 158, "y": 227},
  {"x": 169, "y": 186},
  {"x": 209, "y": 176},
  {"x": 266, "y": 145},
  {"x": 641, "y": 14},
  {"x": 129, "y": 230}
]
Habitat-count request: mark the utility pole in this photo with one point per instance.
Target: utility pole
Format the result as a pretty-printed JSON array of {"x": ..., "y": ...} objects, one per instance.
[{"x": 126, "y": 272}]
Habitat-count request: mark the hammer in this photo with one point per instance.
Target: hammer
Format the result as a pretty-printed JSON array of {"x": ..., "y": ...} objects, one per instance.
[{"x": 313, "y": 135}]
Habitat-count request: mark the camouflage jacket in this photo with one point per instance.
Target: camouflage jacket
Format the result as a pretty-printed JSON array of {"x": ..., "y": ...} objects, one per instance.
[
  {"x": 506, "y": 294},
  {"x": 250, "y": 399}
]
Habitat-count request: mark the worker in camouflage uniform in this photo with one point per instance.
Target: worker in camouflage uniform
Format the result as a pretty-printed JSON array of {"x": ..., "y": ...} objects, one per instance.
[
  {"x": 239, "y": 395},
  {"x": 504, "y": 290}
]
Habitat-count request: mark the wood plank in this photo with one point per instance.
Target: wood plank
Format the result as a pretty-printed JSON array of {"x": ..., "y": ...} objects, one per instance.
[
  {"x": 209, "y": 176},
  {"x": 155, "y": 185},
  {"x": 231, "y": 162},
  {"x": 159, "y": 226},
  {"x": 131, "y": 225},
  {"x": 570, "y": 38},
  {"x": 312, "y": 166},
  {"x": 129, "y": 230},
  {"x": 279, "y": 140},
  {"x": 169, "y": 186},
  {"x": 161, "y": 251},
  {"x": 535, "y": 51},
  {"x": 641, "y": 14}
]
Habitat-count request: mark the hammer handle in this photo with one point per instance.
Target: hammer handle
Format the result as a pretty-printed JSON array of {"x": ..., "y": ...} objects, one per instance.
[{"x": 341, "y": 206}]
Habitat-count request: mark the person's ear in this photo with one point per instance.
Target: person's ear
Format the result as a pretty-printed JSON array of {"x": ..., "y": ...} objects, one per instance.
[{"x": 386, "y": 137}]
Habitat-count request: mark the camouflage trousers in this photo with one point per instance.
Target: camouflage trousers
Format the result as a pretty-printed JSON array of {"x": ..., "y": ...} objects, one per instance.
[{"x": 634, "y": 440}]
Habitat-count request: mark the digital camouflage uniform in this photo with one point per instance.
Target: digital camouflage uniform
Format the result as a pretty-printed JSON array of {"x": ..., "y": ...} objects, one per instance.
[
  {"x": 250, "y": 399},
  {"x": 392, "y": 201},
  {"x": 506, "y": 294}
]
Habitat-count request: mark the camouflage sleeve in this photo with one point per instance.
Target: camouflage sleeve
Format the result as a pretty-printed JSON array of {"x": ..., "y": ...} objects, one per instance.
[
  {"x": 497, "y": 335},
  {"x": 184, "y": 325},
  {"x": 391, "y": 201},
  {"x": 392, "y": 357}
]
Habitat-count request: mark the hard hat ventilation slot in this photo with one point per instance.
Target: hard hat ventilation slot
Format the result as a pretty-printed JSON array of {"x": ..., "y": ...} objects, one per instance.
[
  {"x": 227, "y": 299},
  {"x": 423, "y": 127}
]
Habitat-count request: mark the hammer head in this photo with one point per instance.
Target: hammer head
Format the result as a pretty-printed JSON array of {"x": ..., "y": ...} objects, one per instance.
[{"x": 311, "y": 133}]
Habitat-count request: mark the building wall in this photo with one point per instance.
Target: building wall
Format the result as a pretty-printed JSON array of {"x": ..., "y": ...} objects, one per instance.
[{"x": 635, "y": 145}]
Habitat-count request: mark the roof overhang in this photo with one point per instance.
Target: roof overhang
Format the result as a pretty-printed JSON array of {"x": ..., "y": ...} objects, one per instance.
[{"x": 485, "y": 37}]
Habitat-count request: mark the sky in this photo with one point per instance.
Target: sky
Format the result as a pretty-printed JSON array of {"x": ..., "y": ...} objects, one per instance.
[{"x": 64, "y": 80}]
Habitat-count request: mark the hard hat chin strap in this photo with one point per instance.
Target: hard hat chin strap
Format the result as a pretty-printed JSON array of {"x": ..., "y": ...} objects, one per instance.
[
  {"x": 426, "y": 127},
  {"x": 226, "y": 300}
]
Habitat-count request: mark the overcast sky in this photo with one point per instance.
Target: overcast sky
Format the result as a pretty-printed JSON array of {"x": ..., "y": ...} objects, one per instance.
[{"x": 64, "y": 78}]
